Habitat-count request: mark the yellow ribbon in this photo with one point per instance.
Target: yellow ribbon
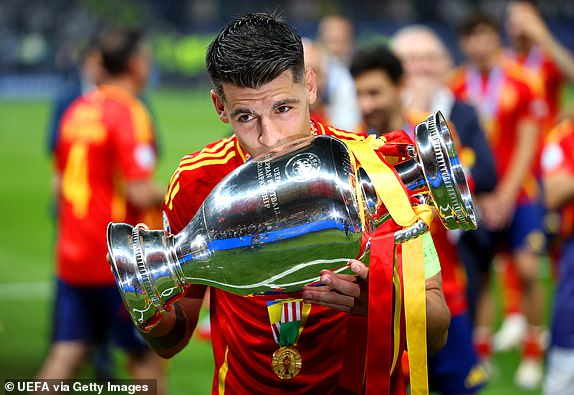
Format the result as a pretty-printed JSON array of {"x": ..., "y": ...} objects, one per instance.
[
  {"x": 388, "y": 187},
  {"x": 391, "y": 192}
]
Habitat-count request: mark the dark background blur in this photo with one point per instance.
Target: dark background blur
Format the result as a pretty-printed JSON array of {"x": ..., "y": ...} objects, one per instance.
[{"x": 40, "y": 40}]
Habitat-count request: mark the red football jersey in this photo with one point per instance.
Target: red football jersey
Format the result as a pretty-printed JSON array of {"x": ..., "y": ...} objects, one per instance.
[
  {"x": 545, "y": 69},
  {"x": 106, "y": 138},
  {"x": 503, "y": 98},
  {"x": 243, "y": 336},
  {"x": 558, "y": 156}
]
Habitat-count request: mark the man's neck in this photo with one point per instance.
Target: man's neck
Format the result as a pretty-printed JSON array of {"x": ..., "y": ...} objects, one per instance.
[
  {"x": 123, "y": 82},
  {"x": 489, "y": 63},
  {"x": 395, "y": 122}
]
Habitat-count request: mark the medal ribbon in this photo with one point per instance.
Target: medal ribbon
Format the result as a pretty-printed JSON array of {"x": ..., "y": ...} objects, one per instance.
[
  {"x": 287, "y": 318},
  {"x": 485, "y": 100},
  {"x": 393, "y": 195}
]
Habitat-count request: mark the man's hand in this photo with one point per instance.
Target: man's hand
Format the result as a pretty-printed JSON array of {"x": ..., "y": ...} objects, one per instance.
[
  {"x": 345, "y": 292},
  {"x": 525, "y": 19},
  {"x": 497, "y": 210}
]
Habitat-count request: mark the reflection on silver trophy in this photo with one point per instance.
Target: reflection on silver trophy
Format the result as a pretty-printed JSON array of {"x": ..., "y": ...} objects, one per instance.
[{"x": 275, "y": 222}]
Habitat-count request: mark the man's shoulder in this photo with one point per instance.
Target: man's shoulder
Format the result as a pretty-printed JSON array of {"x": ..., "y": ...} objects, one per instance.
[
  {"x": 327, "y": 130},
  {"x": 214, "y": 157},
  {"x": 521, "y": 78},
  {"x": 199, "y": 172},
  {"x": 457, "y": 78}
]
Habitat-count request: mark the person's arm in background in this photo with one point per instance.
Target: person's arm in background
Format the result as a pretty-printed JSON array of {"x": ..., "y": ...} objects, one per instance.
[
  {"x": 558, "y": 189},
  {"x": 483, "y": 169},
  {"x": 144, "y": 194},
  {"x": 499, "y": 206},
  {"x": 558, "y": 167},
  {"x": 526, "y": 17}
]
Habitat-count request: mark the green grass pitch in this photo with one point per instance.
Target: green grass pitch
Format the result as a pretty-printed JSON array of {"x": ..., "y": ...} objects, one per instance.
[{"x": 186, "y": 122}]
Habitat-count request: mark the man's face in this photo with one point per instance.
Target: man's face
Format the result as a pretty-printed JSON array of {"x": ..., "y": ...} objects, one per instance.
[
  {"x": 422, "y": 55},
  {"x": 481, "y": 45},
  {"x": 379, "y": 99},
  {"x": 265, "y": 117},
  {"x": 142, "y": 64}
]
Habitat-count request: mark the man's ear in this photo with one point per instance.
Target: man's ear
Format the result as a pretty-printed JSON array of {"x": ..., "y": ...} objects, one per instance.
[
  {"x": 219, "y": 107},
  {"x": 311, "y": 85}
]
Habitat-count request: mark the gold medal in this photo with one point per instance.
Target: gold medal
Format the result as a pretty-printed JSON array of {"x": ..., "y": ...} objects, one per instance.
[{"x": 286, "y": 362}]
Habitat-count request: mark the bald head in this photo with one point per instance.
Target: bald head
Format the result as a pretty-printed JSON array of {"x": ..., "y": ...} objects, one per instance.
[
  {"x": 422, "y": 52},
  {"x": 336, "y": 34}
]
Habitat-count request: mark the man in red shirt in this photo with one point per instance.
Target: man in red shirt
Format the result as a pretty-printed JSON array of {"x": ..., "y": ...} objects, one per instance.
[
  {"x": 104, "y": 159},
  {"x": 263, "y": 90},
  {"x": 511, "y": 111},
  {"x": 534, "y": 47}
]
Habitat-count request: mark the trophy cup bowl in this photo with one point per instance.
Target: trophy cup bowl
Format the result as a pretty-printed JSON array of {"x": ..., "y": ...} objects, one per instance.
[{"x": 271, "y": 225}]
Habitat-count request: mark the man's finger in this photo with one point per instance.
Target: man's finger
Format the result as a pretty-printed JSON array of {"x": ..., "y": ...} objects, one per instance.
[
  {"x": 359, "y": 269},
  {"x": 341, "y": 283}
]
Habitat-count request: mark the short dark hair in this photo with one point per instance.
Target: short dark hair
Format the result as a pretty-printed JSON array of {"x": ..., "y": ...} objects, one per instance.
[
  {"x": 476, "y": 19},
  {"x": 117, "y": 47},
  {"x": 253, "y": 50},
  {"x": 380, "y": 58}
]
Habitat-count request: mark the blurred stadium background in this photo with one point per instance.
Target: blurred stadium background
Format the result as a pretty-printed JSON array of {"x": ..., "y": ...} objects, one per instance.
[{"x": 39, "y": 46}]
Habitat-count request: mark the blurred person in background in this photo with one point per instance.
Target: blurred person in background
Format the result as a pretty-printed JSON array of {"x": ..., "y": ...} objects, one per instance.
[
  {"x": 507, "y": 99},
  {"x": 336, "y": 33},
  {"x": 104, "y": 157},
  {"x": 428, "y": 64},
  {"x": 90, "y": 73},
  {"x": 380, "y": 84},
  {"x": 337, "y": 107},
  {"x": 558, "y": 181},
  {"x": 534, "y": 46}
]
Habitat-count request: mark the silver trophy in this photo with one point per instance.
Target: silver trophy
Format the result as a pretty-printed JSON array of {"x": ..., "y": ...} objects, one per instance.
[{"x": 274, "y": 223}]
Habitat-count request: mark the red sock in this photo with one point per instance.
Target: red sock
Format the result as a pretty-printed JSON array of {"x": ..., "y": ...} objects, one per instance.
[
  {"x": 532, "y": 347},
  {"x": 483, "y": 343},
  {"x": 511, "y": 288}
]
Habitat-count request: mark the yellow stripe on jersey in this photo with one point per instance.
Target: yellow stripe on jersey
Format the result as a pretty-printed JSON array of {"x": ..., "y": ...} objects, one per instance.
[
  {"x": 171, "y": 183},
  {"x": 190, "y": 162},
  {"x": 140, "y": 117},
  {"x": 141, "y": 121},
  {"x": 222, "y": 374},
  {"x": 221, "y": 148},
  {"x": 173, "y": 187},
  {"x": 205, "y": 162},
  {"x": 170, "y": 195},
  {"x": 347, "y": 135},
  {"x": 337, "y": 132},
  {"x": 240, "y": 151},
  {"x": 321, "y": 127}
]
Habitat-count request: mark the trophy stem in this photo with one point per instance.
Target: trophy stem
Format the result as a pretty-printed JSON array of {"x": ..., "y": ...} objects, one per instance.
[{"x": 411, "y": 174}]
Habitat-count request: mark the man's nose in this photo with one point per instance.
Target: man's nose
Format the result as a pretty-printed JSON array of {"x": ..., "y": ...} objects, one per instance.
[{"x": 268, "y": 134}]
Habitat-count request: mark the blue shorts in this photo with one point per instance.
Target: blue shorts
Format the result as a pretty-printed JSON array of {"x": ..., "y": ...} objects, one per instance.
[
  {"x": 526, "y": 231},
  {"x": 94, "y": 315},
  {"x": 455, "y": 368},
  {"x": 562, "y": 329}
]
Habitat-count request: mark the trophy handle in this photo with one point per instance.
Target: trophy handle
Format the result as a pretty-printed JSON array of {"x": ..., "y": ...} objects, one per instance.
[
  {"x": 443, "y": 173},
  {"x": 435, "y": 173},
  {"x": 144, "y": 272}
]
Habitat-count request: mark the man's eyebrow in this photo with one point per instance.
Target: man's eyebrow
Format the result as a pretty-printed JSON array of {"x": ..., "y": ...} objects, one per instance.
[
  {"x": 277, "y": 104},
  {"x": 240, "y": 110},
  {"x": 284, "y": 102}
]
